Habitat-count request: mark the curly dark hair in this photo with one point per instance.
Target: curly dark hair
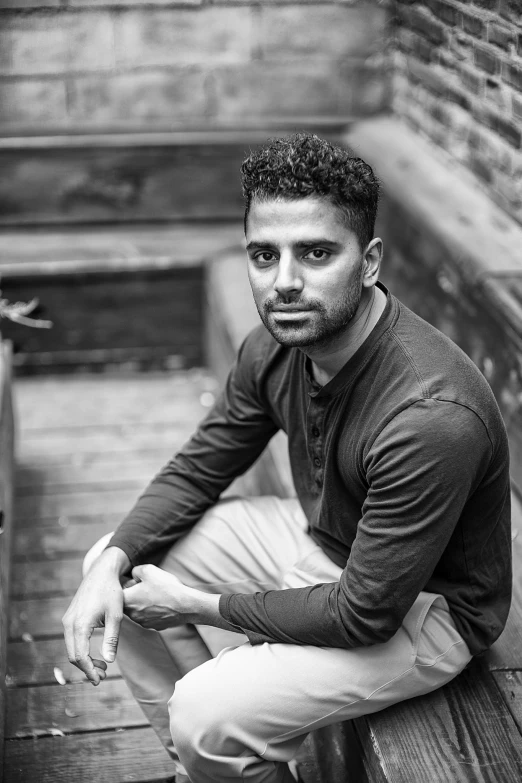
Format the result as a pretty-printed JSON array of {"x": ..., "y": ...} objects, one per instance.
[{"x": 303, "y": 164}]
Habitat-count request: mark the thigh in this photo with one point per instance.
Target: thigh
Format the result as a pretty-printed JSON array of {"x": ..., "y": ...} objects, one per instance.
[
  {"x": 241, "y": 545},
  {"x": 267, "y": 696}
]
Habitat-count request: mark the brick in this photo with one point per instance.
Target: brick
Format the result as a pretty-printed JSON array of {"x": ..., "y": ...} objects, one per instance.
[
  {"x": 445, "y": 11},
  {"x": 172, "y": 96},
  {"x": 501, "y": 36},
  {"x": 486, "y": 58},
  {"x": 424, "y": 22},
  {"x": 51, "y": 43},
  {"x": 512, "y": 74},
  {"x": 422, "y": 48},
  {"x": 91, "y": 42},
  {"x": 516, "y": 102},
  {"x": 472, "y": 79},
  {"x": 480, "y": 168},
  {"x": 461, "y": 45},
  {"x": 156, "y": 37},
  {"x": 489, "y": 5},
  {"x": 500, "y": 124},
  {"x": 510, "y": 10},
  {"x": 474, "y": 24},
  {"x": 322, "y": 30},
  {"x": 498, "y": 94},
  {"x": 33, "y": 44},
  {"x": 268, "y": 89},
  {"x": 30, "y": 102}
]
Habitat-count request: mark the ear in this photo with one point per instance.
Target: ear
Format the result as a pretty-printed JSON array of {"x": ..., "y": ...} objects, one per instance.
[{"x": 372, "y": 262}]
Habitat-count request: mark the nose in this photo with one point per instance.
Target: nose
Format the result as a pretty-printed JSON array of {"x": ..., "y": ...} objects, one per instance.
[{"x": 288, "y": 282}]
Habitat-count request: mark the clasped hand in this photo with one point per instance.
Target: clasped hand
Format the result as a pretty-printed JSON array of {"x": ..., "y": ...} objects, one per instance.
[{"x": 155, "y": 599}]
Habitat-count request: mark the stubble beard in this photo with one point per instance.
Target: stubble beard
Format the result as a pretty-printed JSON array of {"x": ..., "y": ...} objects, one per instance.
[{"x": 324, "y": 324}]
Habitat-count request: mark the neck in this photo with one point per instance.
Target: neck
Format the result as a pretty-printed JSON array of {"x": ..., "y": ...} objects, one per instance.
[{"x": 328, "y": 360}]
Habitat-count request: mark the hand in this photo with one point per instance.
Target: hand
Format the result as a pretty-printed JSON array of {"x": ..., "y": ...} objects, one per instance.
[
  {"x": 156, "y": 599},
  {"x": 98, "y": 603}
]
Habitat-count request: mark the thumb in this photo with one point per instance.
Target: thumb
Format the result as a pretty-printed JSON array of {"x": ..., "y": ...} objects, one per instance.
[
  {"x": 137, "y": 573},
  {"x": 110, "y": 638}
]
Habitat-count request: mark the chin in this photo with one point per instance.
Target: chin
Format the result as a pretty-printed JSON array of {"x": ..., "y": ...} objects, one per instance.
[{"x": 292, "y": 337}]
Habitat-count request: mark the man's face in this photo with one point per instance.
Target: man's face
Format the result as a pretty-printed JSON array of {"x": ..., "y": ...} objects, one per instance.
[{"x": 305, "y": 267}]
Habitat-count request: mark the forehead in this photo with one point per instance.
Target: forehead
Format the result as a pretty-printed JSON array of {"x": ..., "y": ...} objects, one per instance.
[{"x": 296, "y": 218}]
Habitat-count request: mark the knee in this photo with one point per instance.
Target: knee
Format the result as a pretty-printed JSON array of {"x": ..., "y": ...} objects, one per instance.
[
  {"x": 95, "y": 551},
  {"x": 200, "y": 719}
]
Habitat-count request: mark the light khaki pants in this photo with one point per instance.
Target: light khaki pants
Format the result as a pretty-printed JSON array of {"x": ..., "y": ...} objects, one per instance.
[{"x": 240, "y": 716}]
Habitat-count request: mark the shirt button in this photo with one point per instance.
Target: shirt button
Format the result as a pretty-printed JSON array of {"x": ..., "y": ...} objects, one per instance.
[
  {"x": 316, "y": 432},
  {"x": 317, "y": 462}
]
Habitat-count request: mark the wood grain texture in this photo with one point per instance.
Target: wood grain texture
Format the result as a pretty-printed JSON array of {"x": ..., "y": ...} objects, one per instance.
[
  {"x": 63, "y": 538},
  {"x": 71, "y": 708},
  {"x": 33, "y": 662},
  {"x": 510, "y": 685},
  {"x": 126, "y": 248},
  {"x": 60, "y": 576},
  {"x": 98, "y": 313},
  {"x": 134, "y": 755},
  {"x": 6, "y": 519},
  {"x": 39, "y": 617},
  {"x": 465, "y": 731}
]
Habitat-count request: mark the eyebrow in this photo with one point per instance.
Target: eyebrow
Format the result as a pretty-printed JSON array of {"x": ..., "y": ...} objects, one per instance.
[{"x": 298, "y": 245}]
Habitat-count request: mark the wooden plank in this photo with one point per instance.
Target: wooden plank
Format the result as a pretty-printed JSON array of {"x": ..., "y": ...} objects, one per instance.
[
  {"x": 510, "y": 685},
  {"x": 126, "y": 178},
  {"x": 39, "y": 617},
  {"x": 6, "y": 516},
  {"x": 506, "y": 653},
  {"x": 127, "y": 395},
  {"x": 105, "y": 473},
  {"x": 464, "y": 730},
  {"x": 134, "y": 755},
  {"x": 71, "y": 709},
  {"x": 56, "y": 505},
  {"x": 97, "y": 312},
  {"x": 33, "y": 662},
  {"x": 103, "y": 439},
  {"x": 45, "y": 252},
  {"x": 58, "y": 576}
]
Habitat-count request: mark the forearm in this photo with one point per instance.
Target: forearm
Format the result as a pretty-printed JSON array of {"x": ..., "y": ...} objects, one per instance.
[{"x": 203, "y": 609}]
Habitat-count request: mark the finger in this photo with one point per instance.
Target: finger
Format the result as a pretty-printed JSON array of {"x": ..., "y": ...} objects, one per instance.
[
  {"x": 126, "y": 583},
  {"x": 110, "y": 637},
  {"x": 81, "y": 656},
  {"x": 137, "y": 573},
  {"x": 101, "y": 673},
  {"x": 99, "y": 663}
]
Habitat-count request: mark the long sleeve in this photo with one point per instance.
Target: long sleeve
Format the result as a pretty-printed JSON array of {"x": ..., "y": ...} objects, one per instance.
[
  {"x": 421, "y": 470},
  {"x": 226, "y": 443}
]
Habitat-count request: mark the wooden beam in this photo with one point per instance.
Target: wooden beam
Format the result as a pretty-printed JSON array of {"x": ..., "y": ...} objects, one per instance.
[
  {"x": 6, "y": 516},
  {"x": 462, "y": 732},
  {"x": 72, "y": 708},
  {"x": 105, "y": 757}
]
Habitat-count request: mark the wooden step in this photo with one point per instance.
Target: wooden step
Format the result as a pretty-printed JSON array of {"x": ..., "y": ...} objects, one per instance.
[{"x": 118, "y": 296}]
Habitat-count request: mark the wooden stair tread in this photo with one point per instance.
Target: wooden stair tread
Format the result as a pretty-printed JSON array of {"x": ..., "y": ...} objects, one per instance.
[
  {"x": 105, "y": 757},
  {"x": 121, "y": 429},
  {"x": 102, "y": 250}
]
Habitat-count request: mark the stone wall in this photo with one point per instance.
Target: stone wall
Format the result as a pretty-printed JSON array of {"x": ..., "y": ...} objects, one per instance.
[
  {"x": 458, "y": 80},
  {"x": 76, "y": 65}
]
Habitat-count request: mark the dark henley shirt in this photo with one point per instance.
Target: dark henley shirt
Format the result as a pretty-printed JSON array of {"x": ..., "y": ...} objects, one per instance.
[{"x": 400, "y": 463}]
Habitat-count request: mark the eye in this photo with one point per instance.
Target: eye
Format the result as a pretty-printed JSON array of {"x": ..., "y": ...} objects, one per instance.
[
  {"x": 264, "y": 258},
  {"x": 317, "y": 254}
]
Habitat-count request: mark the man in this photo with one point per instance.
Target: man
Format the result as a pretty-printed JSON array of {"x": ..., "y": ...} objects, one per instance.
[{"x": 392, "y": 567}]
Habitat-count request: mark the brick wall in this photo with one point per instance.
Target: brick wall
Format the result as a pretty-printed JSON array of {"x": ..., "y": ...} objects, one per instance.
[
  {"x": 91, "y": 65},
  {"x": 458, "y": 80}
]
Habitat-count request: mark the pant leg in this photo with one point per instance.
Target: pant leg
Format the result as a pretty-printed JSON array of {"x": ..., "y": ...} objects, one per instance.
[
  {"x": 243, "y": 715},
  {"x": 240, "y": 545}
]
